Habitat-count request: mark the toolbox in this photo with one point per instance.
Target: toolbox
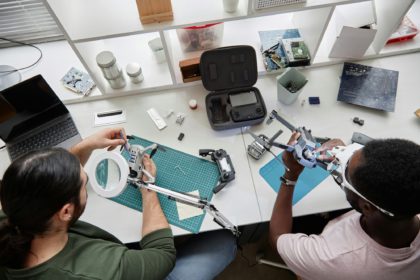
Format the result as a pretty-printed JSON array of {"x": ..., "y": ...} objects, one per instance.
[{"x": 229, "y": 73}]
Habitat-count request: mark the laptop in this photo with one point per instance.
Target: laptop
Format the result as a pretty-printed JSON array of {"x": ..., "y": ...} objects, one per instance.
[{"x": 32, "y": 117}]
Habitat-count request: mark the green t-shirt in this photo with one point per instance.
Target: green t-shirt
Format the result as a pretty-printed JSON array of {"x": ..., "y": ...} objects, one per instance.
[{"x": 92, "y": 253}]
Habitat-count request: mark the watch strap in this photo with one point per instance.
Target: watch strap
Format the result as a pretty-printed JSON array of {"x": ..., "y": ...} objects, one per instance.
[{"x": 287, "y": 182}]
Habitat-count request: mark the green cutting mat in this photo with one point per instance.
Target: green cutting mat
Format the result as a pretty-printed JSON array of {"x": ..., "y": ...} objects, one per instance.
[{"x": 200, "y": 174}]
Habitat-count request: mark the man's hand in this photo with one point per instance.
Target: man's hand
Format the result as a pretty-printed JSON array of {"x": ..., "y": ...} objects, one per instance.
[
  {"x": 107, "y": 138},
  {"x": 293, "y": 168},
  {"x": 153, "y": 217},
  {"x": 327, "y": 146},
  {"x": 150, "y": 167}
]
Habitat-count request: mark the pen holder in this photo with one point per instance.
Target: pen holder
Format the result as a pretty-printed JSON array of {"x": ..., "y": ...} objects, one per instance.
[{"x": 289, "y": 85}]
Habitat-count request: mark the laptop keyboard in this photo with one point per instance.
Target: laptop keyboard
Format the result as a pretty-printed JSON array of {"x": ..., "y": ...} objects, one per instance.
[{"x": 49, "y": 137}]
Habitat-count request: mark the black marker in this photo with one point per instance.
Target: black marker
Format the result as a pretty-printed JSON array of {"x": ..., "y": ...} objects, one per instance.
[{"x": 108, "y": 114}]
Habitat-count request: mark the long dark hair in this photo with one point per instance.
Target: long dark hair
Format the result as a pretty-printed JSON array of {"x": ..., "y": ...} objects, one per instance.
[{"x": 33, "y": 189}]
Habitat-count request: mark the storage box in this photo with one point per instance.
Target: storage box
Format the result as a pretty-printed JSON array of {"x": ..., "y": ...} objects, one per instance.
[
  {"x": 151, "y": 11},
  {"x": 229, "y": 73},
  {"x": 201, "y": 37},
  {"x": 190, "y": 69},
  {"x": 289, "y": 85}
]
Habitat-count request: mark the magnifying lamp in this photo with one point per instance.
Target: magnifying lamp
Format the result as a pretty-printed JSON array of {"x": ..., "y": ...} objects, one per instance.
[{"x": 108, "y": 174}]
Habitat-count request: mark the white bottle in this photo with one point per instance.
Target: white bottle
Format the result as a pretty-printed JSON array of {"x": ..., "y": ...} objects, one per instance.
[{"x": 134, "y": 71}]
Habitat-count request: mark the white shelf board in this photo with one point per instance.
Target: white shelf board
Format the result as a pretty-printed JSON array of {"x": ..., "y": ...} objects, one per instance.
[
  {"x": 309, "y": 4},
  {"x": 389, "y": 16},
  {"x": 409, "y": 45},
  {"x": 97, "y": 19},
  {"x": 127, "y": 49},
  {"x": 338, "y": 19},
  {"x": 240, "y": 32}
]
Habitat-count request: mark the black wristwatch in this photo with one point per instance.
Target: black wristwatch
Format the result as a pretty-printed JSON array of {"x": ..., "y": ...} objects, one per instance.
[{"x": 287, "y": 182}]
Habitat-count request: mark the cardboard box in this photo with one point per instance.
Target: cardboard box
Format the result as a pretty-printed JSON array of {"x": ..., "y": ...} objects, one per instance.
[{"x": 190, "y": 69}]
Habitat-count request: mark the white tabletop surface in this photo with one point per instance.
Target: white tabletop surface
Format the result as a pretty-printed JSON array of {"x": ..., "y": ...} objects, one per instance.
[{"x": 248, "y": 199}]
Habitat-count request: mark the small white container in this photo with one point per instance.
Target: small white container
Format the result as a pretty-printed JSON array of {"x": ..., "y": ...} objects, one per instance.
[{"x": 135, "y": 73}]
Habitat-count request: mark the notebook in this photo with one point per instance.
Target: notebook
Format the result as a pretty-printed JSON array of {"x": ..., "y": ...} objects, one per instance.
[
  {"x": 368, "y": 86},
  {"x": 32, "y": 117}
]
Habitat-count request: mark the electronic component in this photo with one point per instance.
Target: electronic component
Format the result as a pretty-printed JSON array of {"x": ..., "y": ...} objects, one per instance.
[
  {"x": 297, "y": 53},
  {"x": 156, "y": 118},
  {"x": 358, "y": 121},
  {"x": 227, "y": 172},
  {"x": 314, "y": 100},
  {"x": 78, "y": 81},
  {"x": 180, "y": 117}
]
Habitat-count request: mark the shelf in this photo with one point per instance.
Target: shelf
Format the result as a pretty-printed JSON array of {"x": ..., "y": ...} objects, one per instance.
[
  {"x": 96, "y": 25},
  {"x": 245, "y": 32},
  {"x": 127, "y": 49},
  {"x": 353, "y": 15},
  {"x": 309, "y": 4},
  {"x": 412, "y": 45},
  {"x": 98, "y": 19}
]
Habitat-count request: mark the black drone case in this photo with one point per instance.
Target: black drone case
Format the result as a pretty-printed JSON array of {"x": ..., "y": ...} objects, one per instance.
[{"x": 229, "y": 73}]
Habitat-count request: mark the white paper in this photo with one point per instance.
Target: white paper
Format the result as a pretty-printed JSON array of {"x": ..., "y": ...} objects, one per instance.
[
  {"x": 111, "y": 119},
  {"x": 186, "y": 211},
  {"x": 352, "y": 42}
]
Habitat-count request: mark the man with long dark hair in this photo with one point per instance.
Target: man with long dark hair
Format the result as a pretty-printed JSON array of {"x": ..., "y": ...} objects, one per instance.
[
  {"x": 43, "y": 194},
  {"x": 380, "y": 238}
]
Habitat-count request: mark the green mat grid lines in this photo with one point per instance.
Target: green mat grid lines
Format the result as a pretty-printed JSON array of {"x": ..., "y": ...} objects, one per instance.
[{"x": 177, "y": 171}]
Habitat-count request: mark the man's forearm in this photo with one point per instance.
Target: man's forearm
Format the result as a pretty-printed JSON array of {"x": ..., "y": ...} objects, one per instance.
[
  {"x": 281, "y": 219},
  {"x": 82, "y": 151},
  {"x": 153, "y": 217}
]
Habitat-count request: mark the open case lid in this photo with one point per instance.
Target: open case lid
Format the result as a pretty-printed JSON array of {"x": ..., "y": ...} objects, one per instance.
[{"x": 228, "y": 68}]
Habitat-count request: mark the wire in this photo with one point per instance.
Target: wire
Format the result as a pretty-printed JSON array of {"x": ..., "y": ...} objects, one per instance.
[{"x": 24, "y": 44}]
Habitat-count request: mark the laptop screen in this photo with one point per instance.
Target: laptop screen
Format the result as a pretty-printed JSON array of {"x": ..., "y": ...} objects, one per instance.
[{"x": 26, "y": 106}]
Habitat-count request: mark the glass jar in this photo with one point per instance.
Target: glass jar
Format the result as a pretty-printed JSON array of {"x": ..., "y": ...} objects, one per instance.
[{"x": 110, "y": 69}]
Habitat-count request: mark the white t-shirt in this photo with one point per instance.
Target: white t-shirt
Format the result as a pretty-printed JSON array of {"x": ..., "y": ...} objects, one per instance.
[{"x": 344, "y": 251}]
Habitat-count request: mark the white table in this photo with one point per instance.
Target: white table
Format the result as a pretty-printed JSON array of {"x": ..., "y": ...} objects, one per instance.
[{"x": 248, "y": 199}]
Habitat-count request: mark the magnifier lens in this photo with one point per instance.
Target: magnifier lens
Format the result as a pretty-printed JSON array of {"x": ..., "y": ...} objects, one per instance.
[{"x": 108, "y": 174}]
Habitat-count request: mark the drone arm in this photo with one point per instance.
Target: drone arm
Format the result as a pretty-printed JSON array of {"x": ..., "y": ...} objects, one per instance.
[
  {"x": 283, "y": 146},
  {"x": 271, "y": 140}
]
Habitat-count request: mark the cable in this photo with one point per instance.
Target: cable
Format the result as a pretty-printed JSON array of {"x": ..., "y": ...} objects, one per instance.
[{"x": 24, "y": 44}]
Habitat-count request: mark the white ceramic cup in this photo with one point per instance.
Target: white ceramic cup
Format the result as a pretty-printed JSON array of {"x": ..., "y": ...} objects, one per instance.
[{"x": 230, "y": 6}]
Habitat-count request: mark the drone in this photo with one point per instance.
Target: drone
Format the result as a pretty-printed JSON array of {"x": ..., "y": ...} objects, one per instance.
[
  {"x": 141, "y": 178},
  {"x": 303, "y": 151}
]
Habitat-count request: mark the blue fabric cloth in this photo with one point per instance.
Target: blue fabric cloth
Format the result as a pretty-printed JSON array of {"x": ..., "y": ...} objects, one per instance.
[
  {"x": 308, "y": 180},
  {"x": 204, "y": 256}
]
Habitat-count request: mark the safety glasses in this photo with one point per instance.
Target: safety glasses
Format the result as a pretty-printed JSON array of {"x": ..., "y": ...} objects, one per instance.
[{"x": 340, "y": 176}]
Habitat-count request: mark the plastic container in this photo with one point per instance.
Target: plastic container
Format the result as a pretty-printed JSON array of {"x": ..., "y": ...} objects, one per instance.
[
  {"x": 134, "y": 71},
  {"x": 110, "y": 69},
  {"x": 289, "y": 85},
  {"x": 201, "y": 37}
]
